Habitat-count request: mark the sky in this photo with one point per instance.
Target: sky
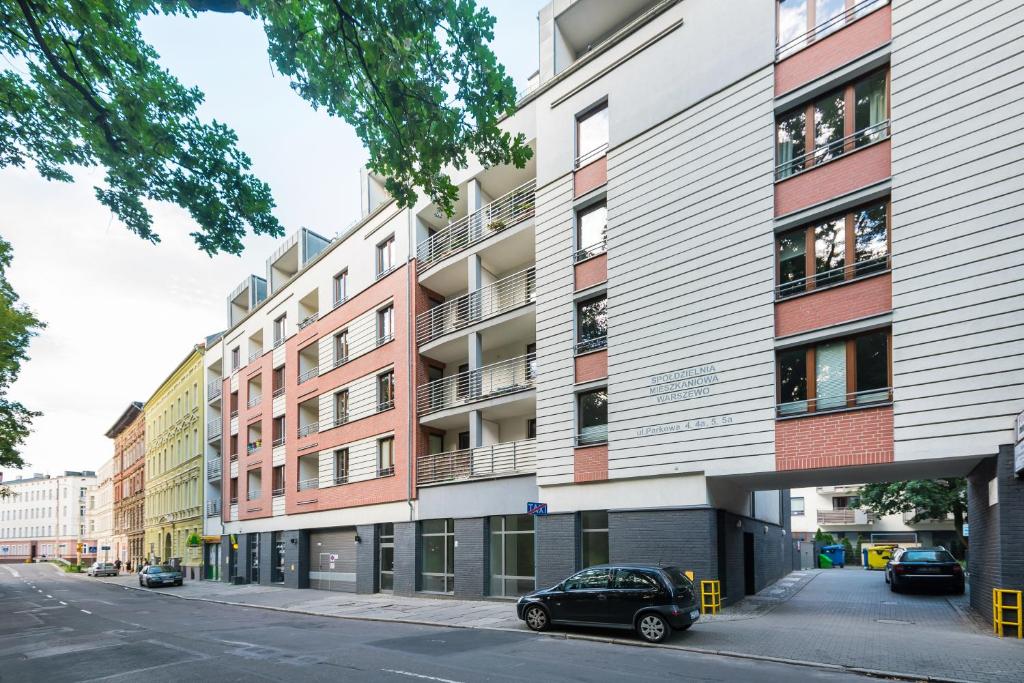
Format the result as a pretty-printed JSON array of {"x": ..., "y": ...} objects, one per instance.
[{"x": 121, "y": 313}]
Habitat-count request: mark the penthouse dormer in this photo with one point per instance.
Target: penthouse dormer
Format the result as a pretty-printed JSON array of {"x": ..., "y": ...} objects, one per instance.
[
  {"x": 245, "y": 297},
  {"x": 294, "y": 253}
]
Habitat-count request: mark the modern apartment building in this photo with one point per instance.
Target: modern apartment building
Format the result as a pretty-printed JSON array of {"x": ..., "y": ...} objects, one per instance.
[
  {"x": 129, "y": 478},
  {"x": 760, "y": 246},
  {"x": 47, "y": 518},
  {"x": 174, "y": 460},
  {"x": 836, "y": 510}
]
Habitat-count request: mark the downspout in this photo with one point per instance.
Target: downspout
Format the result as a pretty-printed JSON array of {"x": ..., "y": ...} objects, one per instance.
[{"x": 409, "y": 332}]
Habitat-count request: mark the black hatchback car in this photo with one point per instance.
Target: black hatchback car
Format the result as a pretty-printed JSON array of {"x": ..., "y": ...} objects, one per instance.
[
  {"x": 924, "y": 568},
  {"x": 160, "y": 575},
  {"x": 650, "y": 599}
]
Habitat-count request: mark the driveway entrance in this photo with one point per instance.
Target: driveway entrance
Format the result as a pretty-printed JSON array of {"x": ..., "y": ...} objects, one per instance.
[{"x": 849, "y": 617}]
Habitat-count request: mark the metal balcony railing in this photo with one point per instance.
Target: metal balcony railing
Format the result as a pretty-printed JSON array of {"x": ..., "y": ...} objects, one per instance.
[
  {"x": 504, "y": 212},
  {"x": 279, "y": 441},
  {"x": 254, "y": 446},
  {"x": 500, "y": 459},
  {"x": 823, "y": 404},
  {"x": 254, "y": 401},
  {"x": 278, "y": 392},
  {"x": 213, "y": 508},
  {"x": 306, "y": 484},
  {"x": 214, "y": 470},
  {"x": 583, "y": 253},
  {"x": 845, "y": 516},
  {"x": 497, "y": 379},
  {"x": 593, "y": 155},
  {"x": 308, "y": 320},
  {"x": 827, "y": 27},
  {"x": 832, "y": 150},
  {"x": 255, "y": 355},
  {"x": 308, "y": 374},
  {"x": 277, "y": 492},
  {"x": 592, "y": 344},
  {"x": 908, "y": 517},
  {"x": 852, "y": 271},
  {"x": 506, "y": 294},
  {"x": 253, "y": 494},
  {"x": 214, "y": 428},
  {"x": 311, "y": 428},
  {"x": 214, "y": 389}
]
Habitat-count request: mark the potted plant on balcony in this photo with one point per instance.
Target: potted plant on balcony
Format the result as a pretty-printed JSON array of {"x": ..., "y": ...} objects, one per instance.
[{"x": 497, "y": 225}]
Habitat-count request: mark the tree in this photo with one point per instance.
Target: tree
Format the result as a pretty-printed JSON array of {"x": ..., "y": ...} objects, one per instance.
[
  {"x": 17, "y": 326},
  {"x": 926, "y": 498},
  {"x": 415, "y": 78}
]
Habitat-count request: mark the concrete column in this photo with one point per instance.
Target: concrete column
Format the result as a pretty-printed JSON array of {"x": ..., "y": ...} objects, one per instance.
[
  {"x": 472, "y": 565},
  {"x": 476, "y": 429},
  {"x": 557, "y": 548},
  {"x": 367, "y": 560},
  {"x": 407, "y": 558},
  {"x": 266, "y": 557},
  {"x": 296, "y": 559}
]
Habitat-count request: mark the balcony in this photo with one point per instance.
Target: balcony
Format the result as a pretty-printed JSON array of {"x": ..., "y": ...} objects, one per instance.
[
  {"x": 214, "y": 470},
  {"x": 255, "y": 355},
  {"x": 491, "y": 381},
  {"x": 214, "y": 389},
  {"x": 502, "y": 213},
  {"x": 307, "y": 429},
  {"x": 505, "y": 295},
  {"x": 908, "y": 518},
  {"x": 254, "y": 401},
  {"x": 253, "y": 494},
  {"x": 308, "y": 374},
  {"x": 497, "y": 460},
  {"x": 307, "y": 321},
  {"x": 840, "y": 489},
  {"x": 307, "y": 484},
  {"x": 214, "y": 429},
  {"x": 845, "y": 516},
  {"x": 213, "y": 508},
  {"x": 253, "y": 446}
]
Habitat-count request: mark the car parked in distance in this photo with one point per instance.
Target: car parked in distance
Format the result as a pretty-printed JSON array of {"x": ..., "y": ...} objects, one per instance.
[
  {"x": 650, "y": 599},
  {"x": 924, "y": 568},
  {"x": 102, "y": 569},
  {"x": 160, "y": 575}
]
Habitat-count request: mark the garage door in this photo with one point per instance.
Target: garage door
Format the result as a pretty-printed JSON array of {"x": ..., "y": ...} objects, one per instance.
[{"x": 332, "y": 560}]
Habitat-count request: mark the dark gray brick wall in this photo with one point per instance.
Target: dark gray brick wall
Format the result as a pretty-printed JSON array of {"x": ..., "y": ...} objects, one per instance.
[
  {"x": 471, "y": 558},
  {"x": 266, "y": 557},
  {"x": 557, "y": 548},
  {"x": 407, "y": 558},
  {"x": 227, "y": 568},
  {"x": 367, "y": 559},
  {"x": 1011, "y": 522},
  {"x": 684, "y": 538},
  {"x": 296, "y": 559}
]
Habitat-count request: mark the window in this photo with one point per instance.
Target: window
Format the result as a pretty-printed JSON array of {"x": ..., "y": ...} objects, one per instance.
[
  {"x": 341, "y": 466},
  {"x": 278, "y": 431},
  {"x": 846, "y": 503},
  {"x": 592, "y": 417},
  {"x": 437, "y": 564},
  {"x": 632, "y": 579},
  {"x": 386, "y": 536},
  {"x": 236, "y": 358},
  {"x": 594, "y": 537},
  {"x": 279, "y": 332},
  {"x": 234, "y": 490},
  {"x": 341, "y": 348},
  {"x": 277, "y": 570},
  {"x": 385, "y": 324},
  {"x": 592, "y": 324},
  {"x": 800, "y": 22},
  {"x": 386, "y": 456},
  {"x": 591, "y": 231},
  {"x": 796, "y": 507},
  {"x": 341, "y": 407},
  {"x": 512, "y": 555},
  {"x": 463, "y": 441},
  {"x": 587, "y": 580},
  {"x": 834, "y": 250},
  {"x": 531, "y": 428},
  {"x": 340, "y": 287},
  {"x": 386, "y": 390},
  {"x": 846, "y": 373},
  {"x": 385, "y": 256},
  {"x": 278, "y": 481},
  {"x": 277, "y": 381},
  {"x": 591, "y": 134},
  {"x": 836, "y": 130}
]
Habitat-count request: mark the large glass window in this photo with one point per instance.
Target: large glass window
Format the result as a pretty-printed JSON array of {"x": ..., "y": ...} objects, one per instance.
[
  {"x": 592, "y": 417},
  {"x": 277, "y": 575},
  {"x": 829, "y": 124},
  {"x": 592, "y": 324},
  {"x": 594, "y": 537},
  {"x": 796, "y": 506},
  {"x": 872, "y": 359},
  {"x": 801, "y": 22},
  {"x": 437, "y": 569},
  {"x": 871, "y": 239},
  {"x": 792, "y": 251},
  {"x": 591, "y": 134},
  {"x": 791, "y": 143},
  {"x": 871, "y": 109},
  {"x": 829, "y": 251},
  {"x": 386, "y": 536},
  {"x": 511, "y": 554},
  {"x": 591, "y": 230}
]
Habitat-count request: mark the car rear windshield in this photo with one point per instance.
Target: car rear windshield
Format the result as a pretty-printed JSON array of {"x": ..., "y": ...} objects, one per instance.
[
  {"x": 161, "y": 568},
  {"x": 926, "y": 556},
  {"x": 677, "y": 578}
]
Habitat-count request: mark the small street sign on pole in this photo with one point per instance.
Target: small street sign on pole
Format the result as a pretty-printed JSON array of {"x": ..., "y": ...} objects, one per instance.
[{"x": 537, "y": 509}]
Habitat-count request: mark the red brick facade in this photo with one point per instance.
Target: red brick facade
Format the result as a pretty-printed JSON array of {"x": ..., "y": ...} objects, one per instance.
[
  {"x": 840, "y": 439},
  {"x": 590, "y": 463},
  {"x": 833, "y": 179},
  {"x": 590, "y": 177},
  {"x": 834, "y": 305},
  {"x": 591, "y": 272},
  {"x": 591, "y": 366}
]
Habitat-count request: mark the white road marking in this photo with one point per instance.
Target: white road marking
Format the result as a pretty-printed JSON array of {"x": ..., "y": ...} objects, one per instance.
[
  {"x": 38, "y": 590},
  {"x": 49, "y": 596},
  {"x": 87, "y": 611},
  {"x": 13, "y": 572},
  {"x": 423, "y": 676},
  {"x": 63, "y": 603}
]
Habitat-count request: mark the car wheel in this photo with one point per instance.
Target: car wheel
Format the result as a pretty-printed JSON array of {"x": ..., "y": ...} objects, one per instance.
[
  {"x": 893, "y": 587},
  {"x": 653, "y": 628},
  {"x": 887, "y": 577},
  {"x": 177, "y": 583},
  {"x": 536, "y": 618},
  {"x": 959, "y": 590},
  {"x": 140, "y": 582}
]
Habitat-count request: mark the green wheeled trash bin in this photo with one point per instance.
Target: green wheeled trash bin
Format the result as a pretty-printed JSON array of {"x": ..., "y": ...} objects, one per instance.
[{"x": 835, "y": 553}]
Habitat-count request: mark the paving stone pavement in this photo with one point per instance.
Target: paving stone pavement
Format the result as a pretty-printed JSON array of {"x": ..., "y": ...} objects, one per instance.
[{"x": 845, "y": 617}]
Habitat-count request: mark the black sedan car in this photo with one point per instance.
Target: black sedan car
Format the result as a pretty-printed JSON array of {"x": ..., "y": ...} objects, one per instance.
[
  {"x": 924, "y": 568},
  {"x": 160, "y": 575},
  {"x": 649, "y": 599}
]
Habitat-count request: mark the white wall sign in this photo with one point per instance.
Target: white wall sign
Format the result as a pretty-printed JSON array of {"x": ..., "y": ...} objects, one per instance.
[
  {"x": 1020, "y": 427},
  {"x": 1018, "y": 459}
]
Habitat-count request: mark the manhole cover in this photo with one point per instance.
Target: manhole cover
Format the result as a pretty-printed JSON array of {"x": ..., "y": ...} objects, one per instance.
[{"x": 893, "y": 621}]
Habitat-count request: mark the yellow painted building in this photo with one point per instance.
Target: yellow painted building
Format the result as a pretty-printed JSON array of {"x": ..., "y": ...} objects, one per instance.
[{"x": 174, "y": 464}]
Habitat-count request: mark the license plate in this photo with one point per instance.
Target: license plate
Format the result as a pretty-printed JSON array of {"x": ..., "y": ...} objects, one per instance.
[
  {"x": 694, "y": 614},
  {"x": 929, "y": 570}
]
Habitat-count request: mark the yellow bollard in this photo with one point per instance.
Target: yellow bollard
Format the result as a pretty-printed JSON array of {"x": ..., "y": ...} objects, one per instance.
[
  {"x": 999, "y": 606},
  {"x": 689, "y": 574},
  {"x": 710, "y": 596}
]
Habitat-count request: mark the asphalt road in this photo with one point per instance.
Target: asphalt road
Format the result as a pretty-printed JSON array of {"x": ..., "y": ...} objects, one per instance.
[{"x": 55, "y": 627}]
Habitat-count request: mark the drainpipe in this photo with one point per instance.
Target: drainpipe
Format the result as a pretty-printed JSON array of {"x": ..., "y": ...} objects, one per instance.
[{"x": 413, "y": 364}]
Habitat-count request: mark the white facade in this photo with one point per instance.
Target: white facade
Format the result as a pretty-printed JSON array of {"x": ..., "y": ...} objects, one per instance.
[
  {"x": 100, "y": 513},
  {"x": 47, "y": 515}
]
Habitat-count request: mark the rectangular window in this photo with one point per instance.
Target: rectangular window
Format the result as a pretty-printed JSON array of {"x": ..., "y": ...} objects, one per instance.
[
  {"x": 386, "y": 456},
  {"x": 233, "y": 488},
  {"x": 801, "y": 22},
  {"x": 341, "y": 407},
  {"x": 592, "y": 324},
  {"x": 871, "y": 109},
  {"x": 846, "y": 503},
  {"x": 594, "y": 537},
  {"x": 846, "y": 373},
  {"x": 341, "y": 466},
  {"x": 386, "y": 540},
  {"x": 531, "y": 428},
  {"x": 279, "y": 330},
  {"x": 386, "y": 390},
  {"x": 591, "y": 134},
  {"x": 796, "y": 507},
  {"x": 512, "y": 555},
  {"x": 340, "y": 287},
  {"x": 341, "y": 348},
  {"x": 385, "y": 324},
  {"x": 437, "y": 564},
  {"x": 277, "y": 381},
  {"x": 278, "y": 481},
  {"x": 591, "y": 231},
  {"x": 592, "y": 417},
  {"x": 385, "y": 256},
  {"x": 236, "y": 358},
  {"x": 463, "y": 441}
]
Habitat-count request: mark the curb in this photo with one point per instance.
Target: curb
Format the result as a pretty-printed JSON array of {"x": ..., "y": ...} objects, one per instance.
[{"x": 873, "y": 673}]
